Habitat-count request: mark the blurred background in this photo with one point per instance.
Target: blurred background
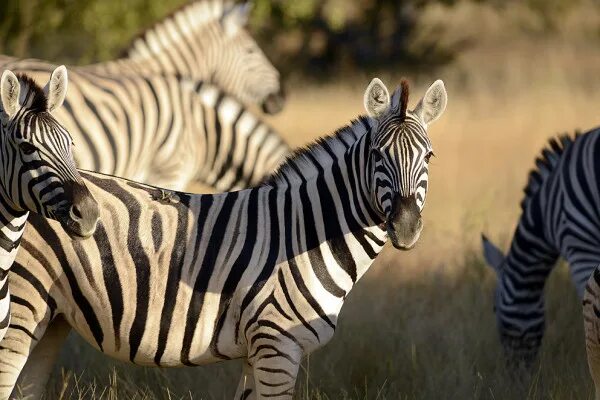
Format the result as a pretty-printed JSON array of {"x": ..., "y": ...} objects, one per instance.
[{"x": 421, "y": 324}]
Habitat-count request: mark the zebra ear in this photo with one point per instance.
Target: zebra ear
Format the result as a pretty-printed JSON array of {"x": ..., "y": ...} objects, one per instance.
[
  {"x": 10, "y": 90},
  {"x": 492, "y": 254},
  {"x": 236, "y": 18},
  {"x": 56, "y": 88},
  {"x": 433, "y": 104},
  {"x": 377, "y": 98}
]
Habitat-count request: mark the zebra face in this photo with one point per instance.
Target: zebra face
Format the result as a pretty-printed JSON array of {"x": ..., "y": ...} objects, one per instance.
[
  {"x": 39, "y": 173},
  {"x": 246, "y": 73},
  {"x": 399, "y": 156},
  {"x": 520, "y": 326}
]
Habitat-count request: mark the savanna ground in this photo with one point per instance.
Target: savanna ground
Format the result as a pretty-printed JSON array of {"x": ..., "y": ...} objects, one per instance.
[{"x": 420, "y": 324}]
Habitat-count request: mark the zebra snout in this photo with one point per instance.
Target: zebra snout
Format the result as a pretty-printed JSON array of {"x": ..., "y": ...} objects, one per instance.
[
  {"x": 404, "y": 223},
  {"x": 84, "y": 212},
  {"x": 274, "y": 102}
]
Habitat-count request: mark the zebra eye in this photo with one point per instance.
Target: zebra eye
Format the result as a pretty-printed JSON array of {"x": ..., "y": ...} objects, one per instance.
[
  {"x": 376, "y": 154},
  {"x": 428, "y": 156},
  {"x": 27, "y": 148}
]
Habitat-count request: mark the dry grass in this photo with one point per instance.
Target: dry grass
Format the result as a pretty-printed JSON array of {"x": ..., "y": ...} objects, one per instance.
[{"x": 421, "y": 324}]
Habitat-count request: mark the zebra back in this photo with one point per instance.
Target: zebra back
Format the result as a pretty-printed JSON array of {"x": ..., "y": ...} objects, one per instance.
[{"x": 167, "y": 130}]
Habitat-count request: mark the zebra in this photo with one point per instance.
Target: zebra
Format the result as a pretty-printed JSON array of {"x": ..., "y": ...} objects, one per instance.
[
  {"x": 168, "y": 131},
  {"x": 559, "y": 218},
  {"x": 259, "y": 274},
  {"x": 38, "y": 172},
  {"x": 205, "y": 40}
]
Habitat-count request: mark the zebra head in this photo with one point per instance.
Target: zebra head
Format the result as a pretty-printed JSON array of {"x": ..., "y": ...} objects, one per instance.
[
  {"x": 245, "y": 70},
  {"x": 399, "y": 155},
  {"x": 38, "y": 171},
  {"x": 520, "y": 322}
]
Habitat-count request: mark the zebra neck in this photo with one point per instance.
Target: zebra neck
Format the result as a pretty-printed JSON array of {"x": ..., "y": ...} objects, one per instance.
[
  {"x": 528, "y": 264},
  {"x": 331, "y": 211},
  {"x": 159, "y": 52},
  {"x": 12, "y": 225}
]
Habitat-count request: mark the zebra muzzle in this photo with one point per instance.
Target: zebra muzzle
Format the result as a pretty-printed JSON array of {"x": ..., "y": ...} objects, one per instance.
[
  {"x": 274, "y": 102},
  {"x": 404, "y": 223},
  {"x": 82, "y": 215}
]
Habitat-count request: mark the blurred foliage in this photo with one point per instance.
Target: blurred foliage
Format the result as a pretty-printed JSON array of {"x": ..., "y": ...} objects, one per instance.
[
  {"x": 308, "y": 36},
  {"x": 75, "y": 31}
]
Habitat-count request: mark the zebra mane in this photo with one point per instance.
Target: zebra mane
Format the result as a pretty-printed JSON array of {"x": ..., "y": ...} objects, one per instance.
[
  {"x": 324, "y": 150},
  {"x": 35, "y": 95},
  {"x": 196, "y": 14},
  {"x": 545, "y": 164},
  {"x": 403, "y": 99}
]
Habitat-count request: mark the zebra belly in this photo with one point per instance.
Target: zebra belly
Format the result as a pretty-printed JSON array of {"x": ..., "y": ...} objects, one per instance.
[{"x": 149, "y": 345}]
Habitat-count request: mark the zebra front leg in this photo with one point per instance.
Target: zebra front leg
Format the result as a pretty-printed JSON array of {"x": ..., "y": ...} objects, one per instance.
[
  {"x": 246, "y": 389},
  {"x": 275, "y": 361},
  {"x": 32, "y": 381},
  {"x": 28, "y": 326}
]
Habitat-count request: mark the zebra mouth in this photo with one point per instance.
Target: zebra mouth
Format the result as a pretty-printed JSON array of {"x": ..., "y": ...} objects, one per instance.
[{"x": 402, "y": 243}]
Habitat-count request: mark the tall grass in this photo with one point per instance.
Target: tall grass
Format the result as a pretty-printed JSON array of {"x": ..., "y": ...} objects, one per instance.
[{"x": 420, "y": 325}]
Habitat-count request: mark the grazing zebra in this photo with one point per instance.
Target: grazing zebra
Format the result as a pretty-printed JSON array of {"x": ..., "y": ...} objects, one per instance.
[
  {"x": 205, "y": 40},
  {"x": 38, "y": 173},
  {"x": 173, "y": 279},
  {"x": 560, "y": 217}
]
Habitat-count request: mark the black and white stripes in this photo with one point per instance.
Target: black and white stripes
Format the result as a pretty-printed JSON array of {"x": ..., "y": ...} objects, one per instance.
[
  {"x": 177, "y": 279},
  {"x": 152, "y": 117},
  {"x": 37, "y": 170},
  {"x": 559, "y": 218}
]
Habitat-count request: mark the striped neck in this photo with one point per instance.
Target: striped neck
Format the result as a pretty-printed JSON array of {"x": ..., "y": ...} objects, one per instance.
[
  {"x": 12, "y": 225},
  {"x": 172, "y": 46},
  {"x": 329, "y": 205},
  {"x": 525, "y": 271}
]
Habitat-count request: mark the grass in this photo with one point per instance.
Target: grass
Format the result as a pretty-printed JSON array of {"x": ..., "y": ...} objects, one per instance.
[{"x": 420, "y": 325}]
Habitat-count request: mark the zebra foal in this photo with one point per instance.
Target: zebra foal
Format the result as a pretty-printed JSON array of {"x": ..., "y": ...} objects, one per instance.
[
  {"x": 259, "y": 274},
  {"x": 37, "y": 172}
]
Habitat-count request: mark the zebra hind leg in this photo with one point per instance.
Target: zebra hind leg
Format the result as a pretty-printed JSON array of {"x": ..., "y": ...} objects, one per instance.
[
  {"x": 37, "y": 360},
  {"x": 591, "y": 323}
]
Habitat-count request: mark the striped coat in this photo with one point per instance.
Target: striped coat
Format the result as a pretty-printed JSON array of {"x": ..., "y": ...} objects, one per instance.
[
  {"x": 175, "y": 279},
  {"x": 38, "y": 173},
  {"x": 167, "y": 130},
  {"x": 559, "y": 218},
  {"x": 204, "y": 40}
]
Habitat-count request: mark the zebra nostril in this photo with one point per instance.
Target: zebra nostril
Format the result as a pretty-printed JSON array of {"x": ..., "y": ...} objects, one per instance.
[{"x": 76, "y": 212}]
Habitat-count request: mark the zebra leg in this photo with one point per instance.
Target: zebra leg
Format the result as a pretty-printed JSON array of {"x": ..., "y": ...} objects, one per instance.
[
  {"x": 591, "y": 325},
  {"x": 275, "y": 364},
  {"x": 246, "y": 389},
  {"x": 32, "y": 381}
]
